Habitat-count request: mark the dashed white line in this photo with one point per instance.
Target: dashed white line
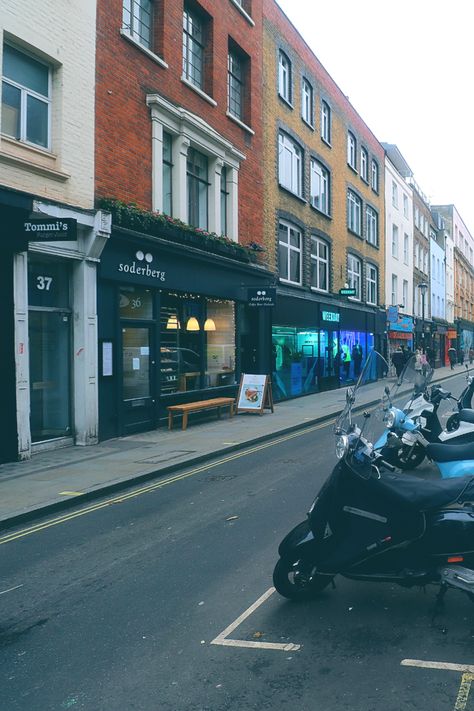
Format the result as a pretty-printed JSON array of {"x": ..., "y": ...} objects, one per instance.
[{"x": 3, "y": 592}]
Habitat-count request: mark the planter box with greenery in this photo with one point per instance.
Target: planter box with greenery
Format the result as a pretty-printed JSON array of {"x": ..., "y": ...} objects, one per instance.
[{"x": 130, "y": 216}]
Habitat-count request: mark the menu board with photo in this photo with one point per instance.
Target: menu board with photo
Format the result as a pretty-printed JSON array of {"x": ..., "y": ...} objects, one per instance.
[{"x": 255, "y": 394}]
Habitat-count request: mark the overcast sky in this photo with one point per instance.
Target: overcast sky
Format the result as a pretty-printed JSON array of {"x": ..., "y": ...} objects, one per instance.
[{"x": 407, "y": 68}]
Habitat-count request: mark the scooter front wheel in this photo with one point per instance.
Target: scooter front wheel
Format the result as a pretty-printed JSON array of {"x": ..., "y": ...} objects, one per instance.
[{"x": 297, "y": 581}]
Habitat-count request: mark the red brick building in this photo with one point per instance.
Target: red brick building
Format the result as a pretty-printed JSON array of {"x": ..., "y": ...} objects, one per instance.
[{"x": 178, "y": 134}]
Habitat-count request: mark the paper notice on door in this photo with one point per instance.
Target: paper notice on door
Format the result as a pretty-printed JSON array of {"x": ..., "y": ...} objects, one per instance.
[
  {"x": 135, "y": 363},
  {"x": 145, "y": 350}
]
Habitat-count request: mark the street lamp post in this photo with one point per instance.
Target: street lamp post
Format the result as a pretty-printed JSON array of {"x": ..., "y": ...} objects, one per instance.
[{"x": 423, "y": 286}]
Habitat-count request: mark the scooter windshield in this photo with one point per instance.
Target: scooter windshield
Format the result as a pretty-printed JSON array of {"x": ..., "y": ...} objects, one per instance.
[
  {"x": 416, "y": 375},
  {"x": 375, "y": 368}
]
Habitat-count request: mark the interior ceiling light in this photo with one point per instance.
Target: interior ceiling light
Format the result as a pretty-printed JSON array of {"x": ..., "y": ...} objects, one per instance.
[
  {"x": 209, "y": 325},
  {"x": 192, "y": 324}
]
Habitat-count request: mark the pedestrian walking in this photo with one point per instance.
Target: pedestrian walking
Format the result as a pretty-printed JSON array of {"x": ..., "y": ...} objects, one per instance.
[
  {"x": 452, "y": 356},
  {"x": 398, "y": 361},
  {"x": 471, "y": 355},
  {"x": 357, "y": 357}
]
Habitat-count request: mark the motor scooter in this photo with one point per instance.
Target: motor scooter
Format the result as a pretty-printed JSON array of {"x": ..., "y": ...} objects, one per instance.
[
  {"x": 369, "y": 524},
  {"x": 409, "y": 430}
]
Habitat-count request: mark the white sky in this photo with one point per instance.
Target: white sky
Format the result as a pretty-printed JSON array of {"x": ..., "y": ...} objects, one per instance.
[{"x": 408, "y": 70}]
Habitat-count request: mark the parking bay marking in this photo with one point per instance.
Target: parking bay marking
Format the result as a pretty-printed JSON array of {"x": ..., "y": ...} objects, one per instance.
[
  {"x": 223, "y": 638},
  {"x": 466, "y": 680}
]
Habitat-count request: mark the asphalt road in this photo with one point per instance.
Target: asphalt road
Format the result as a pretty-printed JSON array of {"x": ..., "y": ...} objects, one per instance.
[{"x": 116, "y": 609}]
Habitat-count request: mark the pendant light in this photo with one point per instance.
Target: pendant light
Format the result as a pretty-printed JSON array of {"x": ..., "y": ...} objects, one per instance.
[
  {"x": 172, "y": 324},
  {"x": 209, "y": 325},
  {"x": 192, "y": 324}
]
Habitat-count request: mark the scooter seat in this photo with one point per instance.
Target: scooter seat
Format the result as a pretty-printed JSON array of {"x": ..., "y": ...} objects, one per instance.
[
  {"x": 423, "y": 494},
  {"x": 466, "y": 415},
  {"x": 451, "y": 452}
]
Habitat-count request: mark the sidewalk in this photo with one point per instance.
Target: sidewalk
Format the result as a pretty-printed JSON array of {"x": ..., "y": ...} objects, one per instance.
[{"x": 67, "y": 477}]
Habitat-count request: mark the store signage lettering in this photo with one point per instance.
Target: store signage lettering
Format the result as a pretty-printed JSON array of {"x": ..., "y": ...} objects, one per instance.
[
  {"x": 50, "y": 230},
  {"x": 143, "y": 270},
  {"x": 330, "y": 316},
  {"x": 261, "y": 297},
  {"x": 346, "y": 291}
]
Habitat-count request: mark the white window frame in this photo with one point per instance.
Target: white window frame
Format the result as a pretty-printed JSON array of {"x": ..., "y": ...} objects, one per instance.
[
  {"x": 188, "y": 43},
  {"x": 290, "y": 164},
  {"x": 395, "y": 241},
  {"x": 405, "y": 205},
  {"x": 372, "y": 283},
  {"x": 319, "y": 186},
  {"x": 25, "y": 92},
  {"x": 406, "y": 248},
  {"x": 318, "y": 260},
  {"x": 394, "y": 194},
  {"x": 352, "y": 150},
  {"x": 289, "y": 249},
  {"x": 394, "y": 290},
  {"x": 284, "y": 76},
  {"x": 325, "y": 121},
  {"x": 133, "y": 28},
  {"x": 364, "y": 164},
  {"x": 372, "y": 225},
  {"x": 405, "y": 293},
  {"x": 354, "y": 213},
  {"x": 374, "y": 176},
  {"x": 354, "y": 275},
  {"x": 307, "y": 110}
]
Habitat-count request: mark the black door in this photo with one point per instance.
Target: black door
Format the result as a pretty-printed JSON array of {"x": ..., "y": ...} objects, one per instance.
[{"x": 138, "y": 411}]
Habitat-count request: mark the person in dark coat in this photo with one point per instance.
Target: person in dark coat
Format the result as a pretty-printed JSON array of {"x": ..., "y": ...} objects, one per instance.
[
  {"x": 452, "y": 356},
  {"x": 398, "y": 361},
  {"x": 357, "y": 357}
]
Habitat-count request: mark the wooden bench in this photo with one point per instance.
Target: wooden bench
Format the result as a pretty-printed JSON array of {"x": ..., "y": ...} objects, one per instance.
[{"x": 186, "y": 408}]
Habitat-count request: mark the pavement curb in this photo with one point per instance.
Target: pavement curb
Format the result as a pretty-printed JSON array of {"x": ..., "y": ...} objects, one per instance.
[{"x": 47, "y": 509}]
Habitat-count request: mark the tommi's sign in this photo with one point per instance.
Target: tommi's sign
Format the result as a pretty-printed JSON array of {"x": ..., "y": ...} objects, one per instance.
[{"x": 50, "y": 230}]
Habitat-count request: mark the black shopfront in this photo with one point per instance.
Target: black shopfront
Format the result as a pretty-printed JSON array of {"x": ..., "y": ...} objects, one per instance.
[
  {"x": 321, "y": 343},
  {"x": 174, "y": 327}
]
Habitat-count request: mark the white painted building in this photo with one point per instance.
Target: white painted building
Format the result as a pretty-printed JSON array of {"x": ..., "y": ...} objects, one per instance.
[
  {"x": 437, "y": 280},
  {"x": 47, "y": 63},
  {"x": 398, "y": 232}
]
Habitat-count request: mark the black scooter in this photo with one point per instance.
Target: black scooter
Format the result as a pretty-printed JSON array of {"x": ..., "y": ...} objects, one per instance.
[{"x": 370, "y": 524}]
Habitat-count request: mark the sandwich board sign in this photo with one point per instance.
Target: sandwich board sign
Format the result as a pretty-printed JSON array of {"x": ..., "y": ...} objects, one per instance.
[{"x": 255, "y": 394}]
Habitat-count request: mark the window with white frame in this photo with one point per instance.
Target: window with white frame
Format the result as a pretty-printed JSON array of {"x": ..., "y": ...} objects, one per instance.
[
  {"x": 290, "y": 164},
  {"x": 354, "y": 213},
  {"x": 224, "y": 200},
  {"x": 325, "y": 122},
  {"x": 319, "y": 264},
  {"x": 395, "y": 241},
  {"x": 319, "y": 186},
  {"x": 364, "y": 165},
  {"x": 307, "y": 102},
  {"x": 372, "y": 277},
  {"x": 394, "y": 290},
  {"x": 193, "y": 47},
  {"x": 354, "y": 275},
  {"x": 394, "y": 194},
  {"x": 284, "y": 76},
  {"x": 372, "y": 223},
  {"x": 167, "y": 174},
  {"x": 235, "y": 83},
  {"x": 137, "y": 20},
  {"x": 405, "y": 293},
  {"x": 405, "y": 205},
  {"x": 198, "y": 188},
  {"x": 289, "y": 253},
  {"x": 351, "y": 150},
  {"x": 374, "y": 176},
  {"x": 26, "y": 98},
  {"x": 406, "y": 253}
]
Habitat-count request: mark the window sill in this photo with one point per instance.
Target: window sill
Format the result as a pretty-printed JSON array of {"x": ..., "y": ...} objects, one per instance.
[
  {"x": 285, "y": 101},
  {"x": 308, "y": 124},
  {"x": 319, "y": 291},
  {"x": 199, "y": 91},
  {"x": 240, "y": 123},
  {"x": 28, "y": 157},
  {"x": 327, "y": 215},
  {"x": 355, "y": 234},
  {"x": 354, "y": 170},
  {"x": 374, "y": 245},
  {"x": 326, "y": 143},
  {"x": 287, "y": 282},
  {"x": 290, "y": 192},
  {"x": 126, "y": 35},
  {"x": 242, "y": 12}
]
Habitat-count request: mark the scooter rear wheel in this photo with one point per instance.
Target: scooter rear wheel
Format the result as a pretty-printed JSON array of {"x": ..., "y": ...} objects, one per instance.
[{"x": 298, "y": 582}]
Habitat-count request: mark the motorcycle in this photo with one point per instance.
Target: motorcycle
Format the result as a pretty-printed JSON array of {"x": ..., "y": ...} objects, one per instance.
[
  {"x": 369, "y": 524},
  {"x": 409, "y": 430}
]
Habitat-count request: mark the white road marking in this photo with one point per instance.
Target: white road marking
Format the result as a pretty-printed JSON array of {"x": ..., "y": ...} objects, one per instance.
[
  {"x": 446, "y": 666},
  {"x": 222, "y": 638},
  {"x": 3, "y": 592}
]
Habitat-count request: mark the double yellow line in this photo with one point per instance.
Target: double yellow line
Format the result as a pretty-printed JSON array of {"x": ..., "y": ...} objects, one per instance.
[{"x": 36, "y": 528}]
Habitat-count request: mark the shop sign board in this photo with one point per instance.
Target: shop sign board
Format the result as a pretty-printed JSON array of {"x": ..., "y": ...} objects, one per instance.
[
  {"x": 404, "y": 324},
  {"x": 392, "y": 314},
  {"x": 333, "y": 316},
  {"x": 347, "y": 292},
  {"x": 255, "y": 393},
  {"x": 50, "y": 229},
  {"x": 261, "y": 297}
]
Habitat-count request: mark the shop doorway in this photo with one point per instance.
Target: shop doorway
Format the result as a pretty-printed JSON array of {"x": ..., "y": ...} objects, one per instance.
[{"x": 137, "y": 376}]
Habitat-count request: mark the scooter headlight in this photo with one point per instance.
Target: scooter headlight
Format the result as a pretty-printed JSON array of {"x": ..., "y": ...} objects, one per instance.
[
  {"x": 390, "y": 419},
  {"x": 342, "y": 446}
]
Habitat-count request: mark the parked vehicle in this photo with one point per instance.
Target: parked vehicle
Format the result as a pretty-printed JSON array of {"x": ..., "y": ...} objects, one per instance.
[
  {"x": 370, "y": 524},
  {"x": 409, "y": 430}
]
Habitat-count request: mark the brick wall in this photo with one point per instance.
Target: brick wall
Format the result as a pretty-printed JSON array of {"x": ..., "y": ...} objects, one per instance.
[
  {"x": 126, "y": 74},
  {"x": 279, "y": 33}
]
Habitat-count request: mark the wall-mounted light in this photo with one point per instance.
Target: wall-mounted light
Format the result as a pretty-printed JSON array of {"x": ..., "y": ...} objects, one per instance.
[
  {"x": 192, "y": 324},
  {"x": 172, "y": 324},
  {"x": 209, "y": 324}
]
